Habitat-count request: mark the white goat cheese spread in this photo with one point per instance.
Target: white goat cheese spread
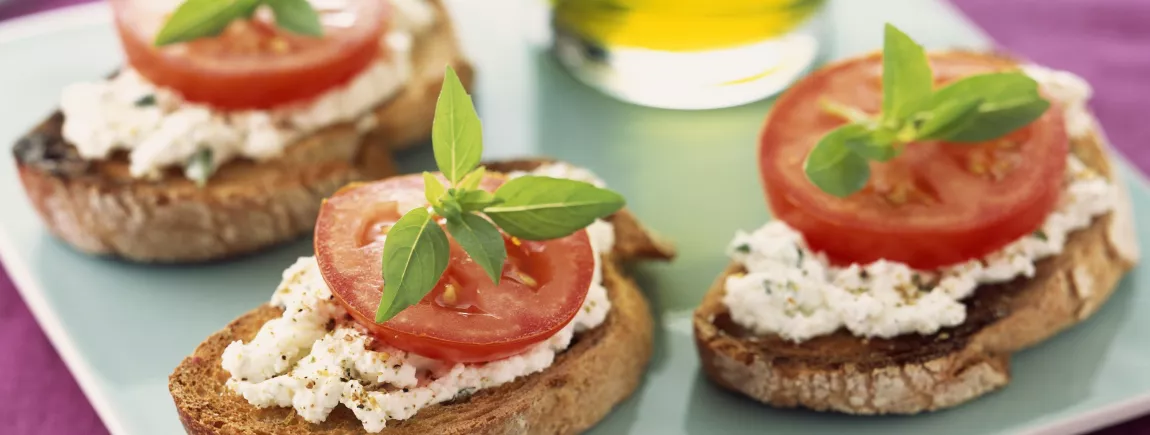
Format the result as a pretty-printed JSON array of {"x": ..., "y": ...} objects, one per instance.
[
  {"x": 794, "y": 293},
  {"x": 104, "y": 116},
  {"x": 294, "y": 361}
]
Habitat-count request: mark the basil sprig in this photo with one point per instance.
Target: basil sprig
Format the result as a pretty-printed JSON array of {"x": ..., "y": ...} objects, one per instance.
[
  {"x": 195, "y": 19},
  {"x": 416, "y": 250},
  {"x": 973, "y": 109}
]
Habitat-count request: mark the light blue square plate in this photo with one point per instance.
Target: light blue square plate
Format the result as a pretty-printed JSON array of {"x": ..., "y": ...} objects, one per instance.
[{"x": 121, "y": 328}]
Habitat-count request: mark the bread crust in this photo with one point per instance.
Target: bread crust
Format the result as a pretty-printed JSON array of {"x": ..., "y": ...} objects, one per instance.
[
  {"x": 915, "y": 373},
  {"x": 98, "y": 208},
  {"x": 602, "y": 367}
]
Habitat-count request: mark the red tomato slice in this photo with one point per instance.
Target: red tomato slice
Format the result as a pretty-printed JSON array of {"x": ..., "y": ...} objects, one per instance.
[
  {"x": 936, "y": 204},
  {"x": 466, "y": 318},
  {"x": 254, "y": 64}
]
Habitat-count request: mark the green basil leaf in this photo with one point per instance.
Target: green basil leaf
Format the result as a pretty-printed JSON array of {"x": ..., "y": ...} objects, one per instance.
[
  {"x": 1010, "y": 100},
  {"x": 481, "y": 240},
  {"x": 907, "y": 81},
  {"x": 542, "y": 208},
  {"x": 250, "y": 11},
  {"x": 833, "y": 167},
  {"x": 456, "y": 135},
  {"x": 992, "y": 88},
  {"x": 201, "y": 18},
  {"x": 999, "y": 121},
  {"x": 296, "y": 16},
  {"x": 884, "y": 135},
  {"x": 433, "y": 189},
  {"x": 948, "y": 117},
  {"x": 471, "y": 181},
  {"x": 476, "y": 200},
  {"x": 866, "y": 144},
  {"x": 415, "y": 254},
  {"x": 200, "y": 167}
]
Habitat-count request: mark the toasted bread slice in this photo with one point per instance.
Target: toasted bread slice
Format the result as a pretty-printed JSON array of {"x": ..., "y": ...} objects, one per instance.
[
  {"x": 602, "y": 367},
  {"x": 98, "y": 208},
  {"x": 914, "y": 373}
]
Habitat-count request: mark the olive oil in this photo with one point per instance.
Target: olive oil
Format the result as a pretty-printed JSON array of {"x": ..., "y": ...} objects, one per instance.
[{"x": 687, "y": 54}]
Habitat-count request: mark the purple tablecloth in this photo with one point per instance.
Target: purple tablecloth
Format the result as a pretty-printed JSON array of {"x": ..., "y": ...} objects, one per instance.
[{"x": 1105, "y": 41}]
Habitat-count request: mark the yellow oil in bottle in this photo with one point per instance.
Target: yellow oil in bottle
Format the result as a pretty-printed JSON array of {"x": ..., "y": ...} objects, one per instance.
[{"x": 686, "y": 54}]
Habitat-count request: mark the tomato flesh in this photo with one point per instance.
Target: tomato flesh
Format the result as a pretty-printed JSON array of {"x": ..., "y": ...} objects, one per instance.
[
  {"x": 937, "y": 203},
  {"x": 253, "y": 64},
  {"x": 466, "y": 317}
]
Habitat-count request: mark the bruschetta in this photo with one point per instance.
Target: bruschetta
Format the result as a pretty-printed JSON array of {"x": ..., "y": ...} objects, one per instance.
[
  {"x": 208, "y": 148},
  {"x": 923, "y": 233},
  {"x": 395, "y": 327}
]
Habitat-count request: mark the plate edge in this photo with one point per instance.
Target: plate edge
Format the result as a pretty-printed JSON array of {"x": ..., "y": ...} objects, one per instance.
[
  {"x": 1099, "y": 418},
  {"x": 27, "y": 286},
  {"x": 29, "y": 290},
  {"x": 67, "y": 17},
  {"x": 54, "y": 20}
]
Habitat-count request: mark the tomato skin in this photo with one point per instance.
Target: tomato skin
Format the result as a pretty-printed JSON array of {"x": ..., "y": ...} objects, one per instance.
[
  {"x": 542, "y": 288},
  {"x": 403, "y": 331},
  {"x": 962, "y": 215},
  {"x": 205, "y": 71}
]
